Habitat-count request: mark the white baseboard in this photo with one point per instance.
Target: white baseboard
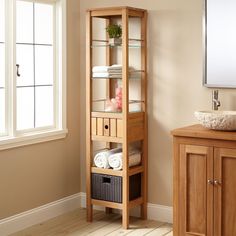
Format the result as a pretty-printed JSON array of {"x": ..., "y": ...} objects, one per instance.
[
  {"x": 154, "y": 211},
  {"x": 160, "y": 213},
  {"x": 37, "y": 215}
]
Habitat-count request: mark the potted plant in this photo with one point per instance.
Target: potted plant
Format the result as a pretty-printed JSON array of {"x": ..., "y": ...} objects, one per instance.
[{"x": 115, "y": 32}]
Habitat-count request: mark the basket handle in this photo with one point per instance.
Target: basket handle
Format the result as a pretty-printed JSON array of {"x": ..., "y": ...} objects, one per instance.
[{"x": 106, "y": 180}]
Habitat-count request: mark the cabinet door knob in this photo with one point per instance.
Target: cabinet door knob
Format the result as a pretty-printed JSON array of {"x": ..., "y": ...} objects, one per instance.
[
  {"x": 209, "y": 181},
  {"x": 216, "y": 182}
]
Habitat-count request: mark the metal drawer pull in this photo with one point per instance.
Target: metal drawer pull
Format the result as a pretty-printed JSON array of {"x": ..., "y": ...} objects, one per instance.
[
  {"x": 106, "y": 126},
  {"x": 209, "y": 181},
  {"x": 17, "y": 70}
]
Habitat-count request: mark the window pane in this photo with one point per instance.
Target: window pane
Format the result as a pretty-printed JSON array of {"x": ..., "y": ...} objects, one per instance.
[
  {"x": 2, "y": 65},
  {"x": 24, "y": 22},
  {"x": 24, "y": 58},
  {"x": 44, "y": 106},
  {"x": 2, "y": 111},
  {"x": 25, "y": 108},
  {"x": 43, "y": 23},
  {"x": 43, "y": 65},
  {"x": 2, "y": 20}
]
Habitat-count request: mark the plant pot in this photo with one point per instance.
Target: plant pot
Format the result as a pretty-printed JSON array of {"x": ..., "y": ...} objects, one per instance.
[{"x": 115, "y": 41}]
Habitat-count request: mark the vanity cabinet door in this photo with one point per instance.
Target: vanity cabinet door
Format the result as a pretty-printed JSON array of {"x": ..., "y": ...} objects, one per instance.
[
  {"x": 195, "y": 191},
  {"x": 225, "y": 192}
]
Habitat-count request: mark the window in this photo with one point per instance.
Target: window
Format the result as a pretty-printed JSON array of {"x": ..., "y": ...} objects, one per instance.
[
  {"x": 2, "y": 69},
  {"x": 32, "y": 71}
]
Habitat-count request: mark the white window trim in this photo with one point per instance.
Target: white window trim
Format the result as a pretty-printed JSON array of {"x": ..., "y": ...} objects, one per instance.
[{"x": 16, "y": 139}]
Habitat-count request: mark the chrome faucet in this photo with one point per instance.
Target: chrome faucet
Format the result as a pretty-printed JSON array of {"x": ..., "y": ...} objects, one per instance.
[{"x": 215, "y": 100}]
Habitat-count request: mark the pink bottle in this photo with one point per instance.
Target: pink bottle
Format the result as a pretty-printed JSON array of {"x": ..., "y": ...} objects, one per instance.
[{"x": 119, "y": 96}]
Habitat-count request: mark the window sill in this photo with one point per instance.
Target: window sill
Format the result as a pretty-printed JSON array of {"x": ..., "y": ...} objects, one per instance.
[{"x": 31, "y": 138}]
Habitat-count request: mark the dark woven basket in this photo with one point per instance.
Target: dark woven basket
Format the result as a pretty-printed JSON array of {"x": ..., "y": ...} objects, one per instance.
[{"x": 109, "y": 188}]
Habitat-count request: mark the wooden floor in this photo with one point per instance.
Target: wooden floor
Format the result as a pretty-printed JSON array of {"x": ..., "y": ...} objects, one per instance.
[{"x": 75, "y": 224}]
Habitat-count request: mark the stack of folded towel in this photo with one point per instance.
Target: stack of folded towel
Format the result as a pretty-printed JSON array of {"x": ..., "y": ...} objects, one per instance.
[
  {"x": 114, "y": 159},
  {"x": 114, "y": 71}
]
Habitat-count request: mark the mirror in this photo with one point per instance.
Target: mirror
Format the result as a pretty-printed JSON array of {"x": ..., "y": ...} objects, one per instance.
[{"x": 220, "y": 43}]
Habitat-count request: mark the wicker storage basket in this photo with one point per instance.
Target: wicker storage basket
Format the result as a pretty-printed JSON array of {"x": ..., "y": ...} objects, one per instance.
[{"x": 109, "y": 188}]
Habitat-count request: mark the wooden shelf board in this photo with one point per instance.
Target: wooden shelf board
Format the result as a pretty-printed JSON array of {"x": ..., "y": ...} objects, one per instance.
[
  {"x": 116, "y": 11},
  {"x": 107, "y": 171},
  {"x": 132, "y": 171},
  {"x": 107, "y": 115},
  {"x": 117, "y": 115},
  {"x": 107, "y": 204},
  {"x": 135, "y": 170},
  {"x": 135, "y": 202},
  {"x": 107, "y": 139}
]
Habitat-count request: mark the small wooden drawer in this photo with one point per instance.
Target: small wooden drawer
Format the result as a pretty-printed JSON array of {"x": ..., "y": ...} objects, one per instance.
[{"x": 108, "y": 127}]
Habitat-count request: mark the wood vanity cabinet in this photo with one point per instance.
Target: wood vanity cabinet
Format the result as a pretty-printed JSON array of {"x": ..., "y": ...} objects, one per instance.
[{"x": 204, "y": 182}]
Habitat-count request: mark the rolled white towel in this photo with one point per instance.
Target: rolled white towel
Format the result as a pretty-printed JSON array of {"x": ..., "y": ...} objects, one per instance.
[
  {"x": 134, "y": 159},
  {"x": 116, "y": 161},
  {"x": 101, "y": 158}
]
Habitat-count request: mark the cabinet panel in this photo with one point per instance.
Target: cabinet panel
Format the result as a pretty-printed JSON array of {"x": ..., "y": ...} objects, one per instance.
[
  {"x": 195, "y": 195},
  {"x": 100, "y": 126},
  {"x": 119, "y": 128},
  {"x": 94, "y": 126},
  {"x": 113, "y": 127},
  {"x": 225, "y": 192}
]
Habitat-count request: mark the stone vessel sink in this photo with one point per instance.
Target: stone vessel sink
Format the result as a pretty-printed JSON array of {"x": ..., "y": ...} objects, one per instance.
[{"x": 217, "y": 120}]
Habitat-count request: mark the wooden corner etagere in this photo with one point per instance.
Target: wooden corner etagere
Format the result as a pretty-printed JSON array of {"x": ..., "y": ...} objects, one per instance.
[{"x": 124, "y": 127}]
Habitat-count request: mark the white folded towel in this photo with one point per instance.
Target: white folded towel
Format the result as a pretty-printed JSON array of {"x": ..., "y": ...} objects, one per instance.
[
  {"x": 116, "y": 161},
  {"x": 108, "y": 71},
  {"x": 102, "y": 69},
  {"x": 97, "y": 69},
  {"x": 107, "y": 75},
  {"x": 101, "y": 75},
  {"x": 101, "y": 158},
  {"x": 115, "y": 67}
]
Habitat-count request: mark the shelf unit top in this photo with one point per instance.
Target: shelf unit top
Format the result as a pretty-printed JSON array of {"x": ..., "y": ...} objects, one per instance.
[{"x": 116, "y": 11}]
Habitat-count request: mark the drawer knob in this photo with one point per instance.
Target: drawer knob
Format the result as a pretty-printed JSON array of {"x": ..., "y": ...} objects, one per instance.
[
  {"x": 209, "y": 181},
  {"x": 106, "y": 126},
  {"x": 216, "y": 182}
]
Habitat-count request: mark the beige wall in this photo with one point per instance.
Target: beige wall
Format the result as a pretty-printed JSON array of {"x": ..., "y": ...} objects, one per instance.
[
  {"x": 175, "y": 81},
  {"x": 35, "y": 175},
  {"x": 38, "y": 174}
]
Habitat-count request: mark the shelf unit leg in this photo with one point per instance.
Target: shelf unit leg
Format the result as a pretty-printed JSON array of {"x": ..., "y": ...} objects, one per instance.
[
  {"x": 89, "y": 212},
  {"x": 144, "y": 211},
  {"x": 125, "y": 218},
  {"x": 144, "y": 108}
]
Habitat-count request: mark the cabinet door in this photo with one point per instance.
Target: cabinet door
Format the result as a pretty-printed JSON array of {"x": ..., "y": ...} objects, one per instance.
[
  {"x": 225, "y": 192},
  {"x": 195, "y": 193}
]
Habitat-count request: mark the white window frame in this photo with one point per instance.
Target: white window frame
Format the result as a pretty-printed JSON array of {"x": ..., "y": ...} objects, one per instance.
[{"x": 14, "y": 138}]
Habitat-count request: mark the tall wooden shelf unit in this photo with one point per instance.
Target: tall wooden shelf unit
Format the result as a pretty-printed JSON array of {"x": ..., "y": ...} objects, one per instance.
[{"x": 131, "y": 126}]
